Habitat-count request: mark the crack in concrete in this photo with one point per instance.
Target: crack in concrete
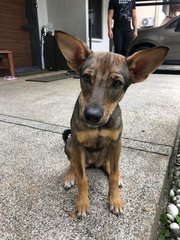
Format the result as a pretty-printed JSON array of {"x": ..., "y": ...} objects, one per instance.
[
  {"x": 143, "y": 150},
  {"x": 134, "y": 144}
]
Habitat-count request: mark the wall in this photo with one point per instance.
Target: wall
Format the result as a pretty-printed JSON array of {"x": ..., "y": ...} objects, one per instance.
[{"x": 69, "y": 16}]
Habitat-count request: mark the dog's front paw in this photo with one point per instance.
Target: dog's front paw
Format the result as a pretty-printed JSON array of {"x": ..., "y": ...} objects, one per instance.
[
  {"x": 70, "y": 181},
  {"x": 116, "y": 204},
  {"x": 82, "y": 207}
]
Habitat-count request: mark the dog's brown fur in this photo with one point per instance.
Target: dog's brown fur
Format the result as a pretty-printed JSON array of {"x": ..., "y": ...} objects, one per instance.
[{"x": 96, "y": 124}]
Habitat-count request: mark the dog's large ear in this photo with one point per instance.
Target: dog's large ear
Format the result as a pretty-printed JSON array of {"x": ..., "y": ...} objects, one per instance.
[
  {"x": 144, "y": 62},
  {"x": 74, "y": 50}
]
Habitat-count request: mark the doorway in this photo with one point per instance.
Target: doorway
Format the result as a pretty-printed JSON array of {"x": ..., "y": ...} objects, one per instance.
[{"x": 19, "y": 33}]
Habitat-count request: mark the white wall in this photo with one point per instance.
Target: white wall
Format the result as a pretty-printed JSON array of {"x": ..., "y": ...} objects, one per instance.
[{"x": 69, "y": 16}]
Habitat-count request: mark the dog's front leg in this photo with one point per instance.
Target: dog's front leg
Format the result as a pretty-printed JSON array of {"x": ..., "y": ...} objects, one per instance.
[
  {"x": 82, "y": 204},
  {"x": 116, "y": 203}
]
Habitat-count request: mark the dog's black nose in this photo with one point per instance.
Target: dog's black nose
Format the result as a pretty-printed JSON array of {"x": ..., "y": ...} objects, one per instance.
[{"x": 93, "y": 114}]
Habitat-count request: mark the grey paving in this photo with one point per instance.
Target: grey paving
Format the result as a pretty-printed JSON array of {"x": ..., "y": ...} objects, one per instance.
[{"x": 33, "y": 203}]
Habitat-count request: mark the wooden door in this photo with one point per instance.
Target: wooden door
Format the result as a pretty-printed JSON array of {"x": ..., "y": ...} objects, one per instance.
[{"x": 12, "y": 34}]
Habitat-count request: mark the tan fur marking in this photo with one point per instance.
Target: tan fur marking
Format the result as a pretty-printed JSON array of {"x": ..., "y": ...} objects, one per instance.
[
  {"x": 84, "y": 136},
  {"x": 112, "y": 134}
]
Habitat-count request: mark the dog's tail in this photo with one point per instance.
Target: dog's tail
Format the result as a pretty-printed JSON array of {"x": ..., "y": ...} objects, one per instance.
[{"x": 66, "y": 134}]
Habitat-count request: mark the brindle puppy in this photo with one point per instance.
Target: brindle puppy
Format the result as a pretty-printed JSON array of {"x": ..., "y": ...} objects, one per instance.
[{"x": 96, "y": 124}]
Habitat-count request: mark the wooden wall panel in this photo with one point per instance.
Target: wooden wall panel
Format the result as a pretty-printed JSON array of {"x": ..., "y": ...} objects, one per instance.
[{"x": 12, "y": 36}]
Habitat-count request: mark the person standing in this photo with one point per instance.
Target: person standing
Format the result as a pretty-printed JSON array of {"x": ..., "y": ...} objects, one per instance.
[{"x": 123, "y": 12}]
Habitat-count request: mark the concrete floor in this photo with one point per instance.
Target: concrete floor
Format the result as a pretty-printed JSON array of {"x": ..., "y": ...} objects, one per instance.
[{"x": 33, "y": 203}]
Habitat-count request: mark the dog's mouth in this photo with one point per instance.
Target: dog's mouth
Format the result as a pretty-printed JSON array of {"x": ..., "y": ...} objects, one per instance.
[{"x": 90, "y": 125}]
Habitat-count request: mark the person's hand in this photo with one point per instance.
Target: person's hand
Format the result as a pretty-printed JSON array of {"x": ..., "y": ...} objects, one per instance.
[
  {"x": 135, "y": 33},
  {"x": 110, "y": 33}
]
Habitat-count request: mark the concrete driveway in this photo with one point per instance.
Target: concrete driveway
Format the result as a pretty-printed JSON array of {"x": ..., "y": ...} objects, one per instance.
[{"x": 33, "y": 203}]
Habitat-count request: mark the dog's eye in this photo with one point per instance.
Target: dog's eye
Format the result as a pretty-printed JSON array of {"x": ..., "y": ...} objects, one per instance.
[
  {"x": 86, "y": 77},
  {"x": 117, "y": 83}
]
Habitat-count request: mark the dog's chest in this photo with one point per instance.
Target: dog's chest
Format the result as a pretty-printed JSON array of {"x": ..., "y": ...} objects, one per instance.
[
  {"x": 96, "y": 144},
  {"x": 95, "y": 150},
  {"x": 97, "y": 139}
]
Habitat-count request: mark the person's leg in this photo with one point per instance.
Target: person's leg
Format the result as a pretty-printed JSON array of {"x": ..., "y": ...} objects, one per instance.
[
  {"x": 127, "y": 39},
  {"x": 118, "y": 40}
]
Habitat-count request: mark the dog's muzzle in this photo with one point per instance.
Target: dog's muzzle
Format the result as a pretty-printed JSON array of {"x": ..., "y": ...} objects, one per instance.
[{"x": 93, "y": 115}]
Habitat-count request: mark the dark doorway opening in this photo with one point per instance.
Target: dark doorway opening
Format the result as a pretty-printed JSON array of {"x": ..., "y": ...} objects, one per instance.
[{"x": 32, "y": 28}]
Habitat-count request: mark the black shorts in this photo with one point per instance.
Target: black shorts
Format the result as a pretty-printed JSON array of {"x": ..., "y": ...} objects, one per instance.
[{"x": 122, "y": 41}]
